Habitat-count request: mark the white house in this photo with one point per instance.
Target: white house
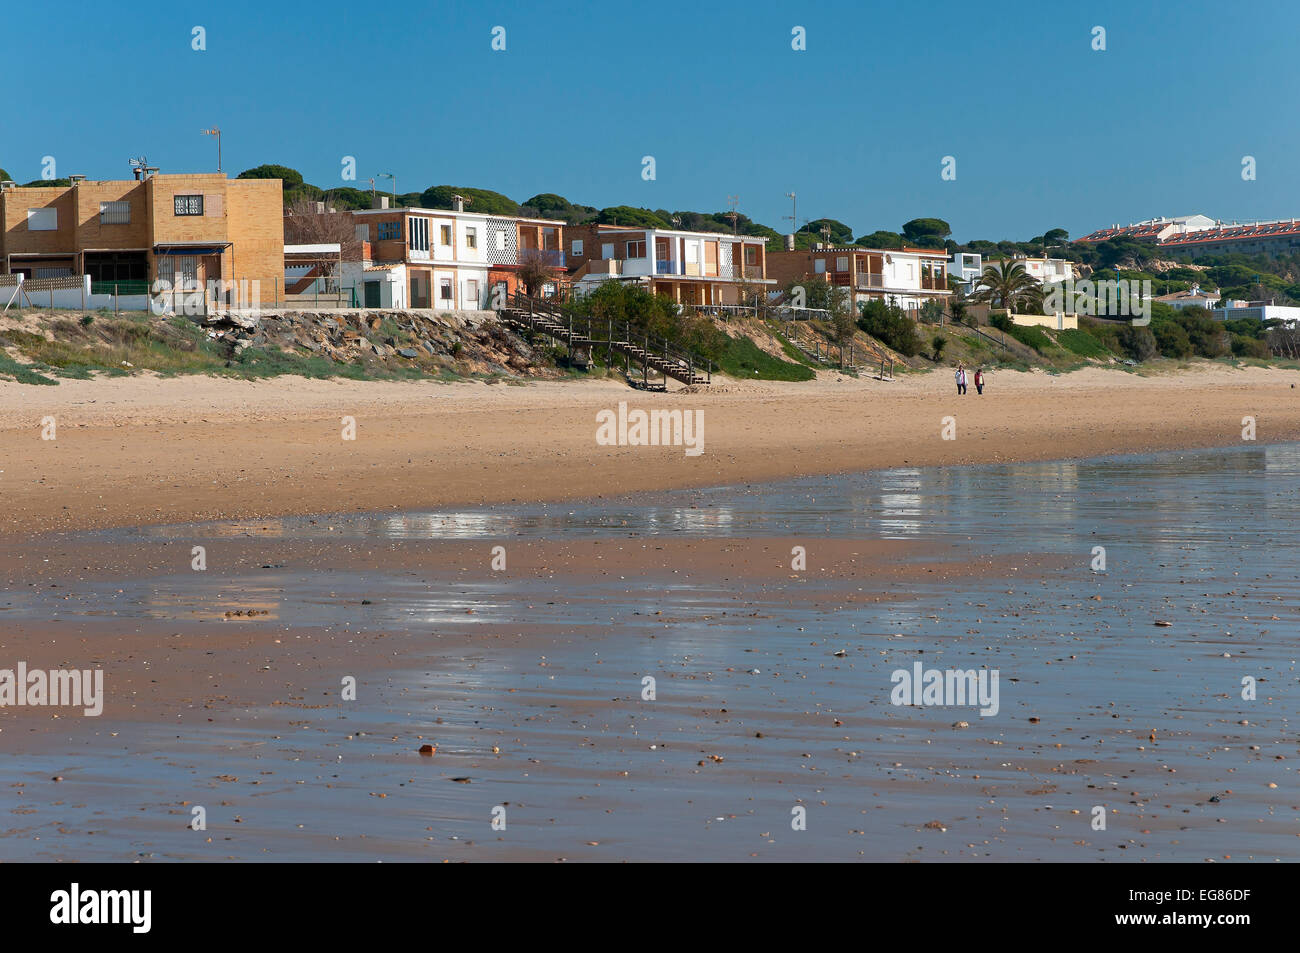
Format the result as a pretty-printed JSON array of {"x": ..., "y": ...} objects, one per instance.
[
  {"x": 1194, "y": 298},
  {"x": 906, "y": 277},
  {"x": 1234, "y": 310}
]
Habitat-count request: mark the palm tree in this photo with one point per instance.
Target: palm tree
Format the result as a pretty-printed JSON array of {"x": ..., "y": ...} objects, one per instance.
[{"x": 1008, "y": 285}]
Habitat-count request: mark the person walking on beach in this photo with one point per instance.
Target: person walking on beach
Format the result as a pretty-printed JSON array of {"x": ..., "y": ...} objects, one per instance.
[
  {"x": 979, "y": 380},
  {"x": 961, "y": 378}
]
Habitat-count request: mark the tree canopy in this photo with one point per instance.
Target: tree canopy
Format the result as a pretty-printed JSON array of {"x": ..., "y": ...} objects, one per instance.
[
  {"x": 482, "y": 200},
  {"x": 290, "y": 178},
  {"x": 927, "y": 231}
]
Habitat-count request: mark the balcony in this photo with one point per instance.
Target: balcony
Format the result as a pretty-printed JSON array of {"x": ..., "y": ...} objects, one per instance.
[
  {"x": 753, "y": 271},
  {"x": 665, "y": 267},
  {"x": 871, "y": 281},
  {"x": 547, "y": 256}
]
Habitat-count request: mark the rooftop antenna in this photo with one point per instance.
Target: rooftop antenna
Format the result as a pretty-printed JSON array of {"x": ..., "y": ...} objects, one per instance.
[
  {"x": 732, "y": 202},
  {"x": 794, "y": 212},
  {"x": 139, "y": 166},
  {"x": 214, "y": 131}
]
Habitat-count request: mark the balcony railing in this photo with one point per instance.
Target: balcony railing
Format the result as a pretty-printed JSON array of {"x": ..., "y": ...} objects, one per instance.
[
  {"x": 667, "y": 268},
  {"x": 871, "y": 281},
  {"x": 547, "y": 256}
]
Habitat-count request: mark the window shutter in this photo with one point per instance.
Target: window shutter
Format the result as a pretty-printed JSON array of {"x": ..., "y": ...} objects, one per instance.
[{"x": 212, "y": 206}]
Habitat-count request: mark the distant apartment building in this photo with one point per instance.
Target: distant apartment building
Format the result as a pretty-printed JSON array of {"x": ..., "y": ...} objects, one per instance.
[
  {"x": 1196, "y": 236},
  {"x": 907, "y": 277},
  {"x": 186, "y": 230},
  {"x": 691, "y": 268},
  {"x": 1260, "y": 238},
  {"x": 1152, "y": 229},
  {"x": 448, "y": 260}
]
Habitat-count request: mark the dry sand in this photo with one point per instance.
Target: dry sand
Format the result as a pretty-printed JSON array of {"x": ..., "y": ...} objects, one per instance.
[{"x": 147, "y": 450}]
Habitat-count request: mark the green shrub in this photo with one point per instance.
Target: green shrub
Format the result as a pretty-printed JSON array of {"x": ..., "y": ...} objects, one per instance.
[
  {"x": 1172, "y": 340},
  {"x": 1246, "y": 346},
  {"x": 891, "y": 325}
]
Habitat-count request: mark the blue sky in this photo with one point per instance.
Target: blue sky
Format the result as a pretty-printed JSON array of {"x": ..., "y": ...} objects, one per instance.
[{"x": 1045, "y": 131}]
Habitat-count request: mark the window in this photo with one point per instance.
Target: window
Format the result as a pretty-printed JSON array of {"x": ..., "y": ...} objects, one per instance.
[
  {"x": 607, "y": 250},
  {"x": 419, "y": 234},
  {"x": 501, "y": 240},
  {"x": 471, "y": 293},
  {"x": 819, "y": 266},
  {"x": 636, "y": 249},
  {"x": 751, "y": 255},
  {"x": 114, "y": 213},
  {"x": 471, "y": 238},
  {"x": 389, "y": 231},
  {"x": 444, "y": 287},
  {"x": 842, "y": 263},
  {"x": 188, "y": 204},
  {"x": 577, "y": 246},
  {"x": 445, "y": 232},
  {"x": 42, "y": 220},
  {"x": 363, "y": 233}
]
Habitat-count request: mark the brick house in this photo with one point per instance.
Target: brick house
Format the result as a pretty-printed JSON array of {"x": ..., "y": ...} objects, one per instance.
[{"x": 197, "y": 228}]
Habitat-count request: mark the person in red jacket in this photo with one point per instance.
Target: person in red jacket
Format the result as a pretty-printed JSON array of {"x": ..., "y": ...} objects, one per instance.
[{"x": 979, "y": 380}]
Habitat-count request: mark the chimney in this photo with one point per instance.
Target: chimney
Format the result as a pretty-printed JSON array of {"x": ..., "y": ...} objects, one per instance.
[
  {"x": 8, "y": 184},
  {"x": 76, "y": 179},
  {"x": 458, "y": 203},
  {"x": 789, "y": 243},
  {"x": 379, "y": 201}
]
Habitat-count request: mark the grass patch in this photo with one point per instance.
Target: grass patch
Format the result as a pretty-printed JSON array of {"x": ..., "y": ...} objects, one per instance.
[
  {"x": 743, "y": 358},
  {"x": 1032, "y": 337},
  {"x": 21, "y": 372},
  {"x": 1080, "y": 342}
]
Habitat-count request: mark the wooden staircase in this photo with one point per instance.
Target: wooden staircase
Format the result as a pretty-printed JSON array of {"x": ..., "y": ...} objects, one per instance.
[
  {"x": 863, "y": 355},
  {"x": 639, "y": 348}
]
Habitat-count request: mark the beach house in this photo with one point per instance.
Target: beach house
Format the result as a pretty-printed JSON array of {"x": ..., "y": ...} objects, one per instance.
[
  {"x": 451, "y": 259},
  {"x": 692, "y": 268},
  {"x": 906, "y": 277},
  {"x": 195, "y": 230}
]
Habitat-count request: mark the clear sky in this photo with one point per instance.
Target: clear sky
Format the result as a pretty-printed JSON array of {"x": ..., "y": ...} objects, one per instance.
[{"x": 1045, "y": 130}]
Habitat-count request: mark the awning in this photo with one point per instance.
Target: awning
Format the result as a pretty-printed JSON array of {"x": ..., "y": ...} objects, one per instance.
[{"x": 191, "y": 248}]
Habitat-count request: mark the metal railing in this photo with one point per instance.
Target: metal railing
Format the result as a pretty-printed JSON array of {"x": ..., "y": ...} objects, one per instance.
[{"x": 580, "y": 332}]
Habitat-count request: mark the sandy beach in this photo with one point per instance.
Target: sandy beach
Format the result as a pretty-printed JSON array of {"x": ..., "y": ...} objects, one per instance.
[
  {"x": 223, "y": 687},
  {"x": 147, "y": 450}
]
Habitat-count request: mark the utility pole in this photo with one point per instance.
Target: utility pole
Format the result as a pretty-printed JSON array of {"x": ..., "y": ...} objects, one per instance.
[
  {"x": 214, "y": 131},
  {"x": 732, "y": 202}
]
